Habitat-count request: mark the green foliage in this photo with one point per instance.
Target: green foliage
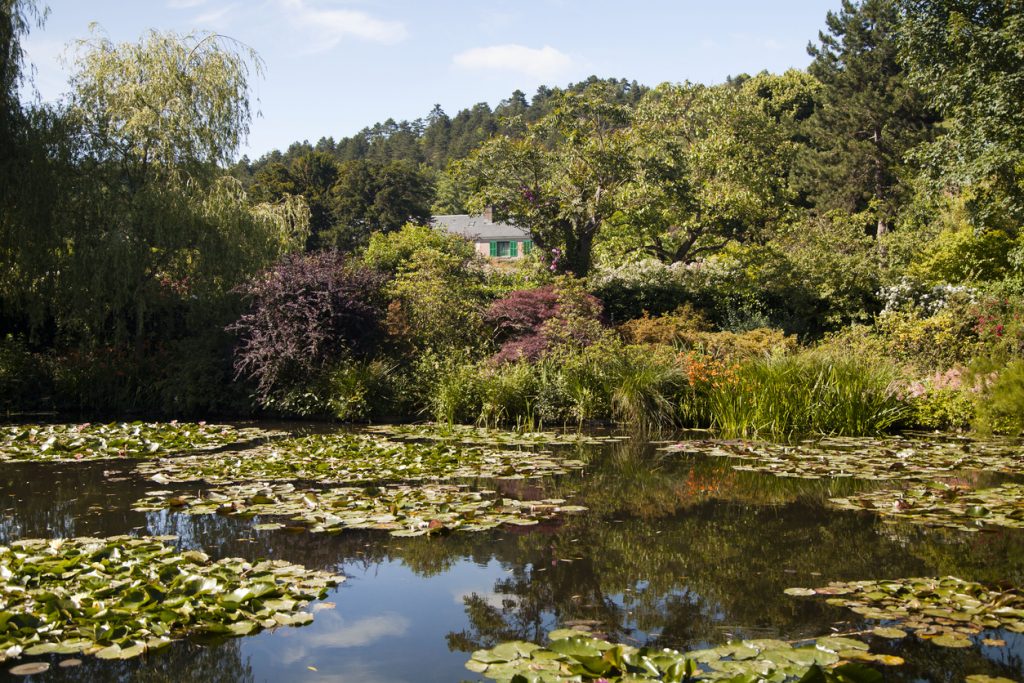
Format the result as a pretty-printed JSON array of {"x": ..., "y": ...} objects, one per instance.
[
  {"x": 577, "y": 655},
  {"x": 437, "y": 303},
  {"x": 1001, "y": 405},
  {"x": 944, "y": 409},
  {"x": 390, "y": 252},
  {"x": 964, "y": 256},
  {"x": 968, "y": 56},
  {"x": 867, "y": 117},
  {"x": 361, "y": 390},
  {"x": 711, "y": 168},
  {"x": 812, "y": 392},
  {"x": 25, "y": 382},
  {"x": 369, "y": 198},
  {"x": 688, "y": 330},
  {"x": 929, "y": 343},
  {"x": 147, "y": 593},
  {"x": 574, "y": 161}
]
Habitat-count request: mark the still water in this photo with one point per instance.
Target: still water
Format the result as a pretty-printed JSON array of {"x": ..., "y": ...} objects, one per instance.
[{"x": 674, "y": 550}]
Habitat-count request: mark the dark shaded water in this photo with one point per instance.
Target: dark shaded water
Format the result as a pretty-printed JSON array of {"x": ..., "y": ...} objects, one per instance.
[{"x": 674, "y": 551}]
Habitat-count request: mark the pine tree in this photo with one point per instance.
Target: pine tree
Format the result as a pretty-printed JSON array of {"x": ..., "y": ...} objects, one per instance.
[{"x": 867, "y": 117}]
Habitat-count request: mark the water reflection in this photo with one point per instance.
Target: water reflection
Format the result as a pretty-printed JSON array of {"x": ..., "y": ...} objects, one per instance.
[{"x": 674, "y": 551}]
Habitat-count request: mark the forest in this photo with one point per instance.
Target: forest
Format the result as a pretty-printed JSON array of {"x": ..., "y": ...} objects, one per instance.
[{"x": 834, "y": 250}]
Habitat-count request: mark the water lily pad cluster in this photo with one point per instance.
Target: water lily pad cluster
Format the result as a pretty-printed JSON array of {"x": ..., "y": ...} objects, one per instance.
[
  {"x": 946, "y": 611},
  {"x": 468, "y": 434},
  {"x": 87, "y": 441},
  {"x": 576, "y": 656},
  {"x": 118, "y": 597},
  {"x": 939, "y": 504},
  {"x": 402, "y": 510},
  {"x": 357, "y": 458},
  {"x": 875, "y": 459}
]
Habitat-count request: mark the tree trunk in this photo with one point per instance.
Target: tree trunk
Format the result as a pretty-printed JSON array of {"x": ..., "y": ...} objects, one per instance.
[{"x": 578, "y": 249}]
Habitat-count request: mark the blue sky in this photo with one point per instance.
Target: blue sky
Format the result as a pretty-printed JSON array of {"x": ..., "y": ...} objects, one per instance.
[{"x": 335, "y": 66}]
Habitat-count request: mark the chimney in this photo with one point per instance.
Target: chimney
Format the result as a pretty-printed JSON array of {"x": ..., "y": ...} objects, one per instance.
[{"x": 489, "y": 214}]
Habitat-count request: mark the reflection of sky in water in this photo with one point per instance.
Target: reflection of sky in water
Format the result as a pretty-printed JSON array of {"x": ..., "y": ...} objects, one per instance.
[{"x": 389, "y": 625}]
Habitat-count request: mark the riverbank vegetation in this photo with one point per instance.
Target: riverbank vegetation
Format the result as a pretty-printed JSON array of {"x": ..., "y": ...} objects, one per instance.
[{"x": 836, "y": 250}]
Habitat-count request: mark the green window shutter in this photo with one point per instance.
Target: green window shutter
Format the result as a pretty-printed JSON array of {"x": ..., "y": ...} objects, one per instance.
[
  {"x": 513, "y": 249},
  {"x": 494, "y": 248},
  {"x": 527, "y": 247}
]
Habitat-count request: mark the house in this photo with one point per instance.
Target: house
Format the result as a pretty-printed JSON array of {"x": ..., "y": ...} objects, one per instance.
[{"x": 492, "y": 239}]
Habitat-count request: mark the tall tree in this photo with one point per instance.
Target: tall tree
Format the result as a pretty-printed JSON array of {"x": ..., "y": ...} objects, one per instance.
[
  {"x": 311, "y": 176},
  {"x": 149, "y": 223},
  {"x": 868, "y": 115},
  {"x": 376, "y": 197},
  {"x": 561, "y": 179},
  {"x": 968, "y": 55},
  {"x": 711, "y": 167}
]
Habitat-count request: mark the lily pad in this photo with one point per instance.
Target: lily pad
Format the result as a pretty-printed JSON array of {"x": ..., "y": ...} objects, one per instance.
[
  {"x": 468, "y": 434},
  {"x": 891, "y": 633},
  {"x": 947, "y": 611},
  {"x": 938, "y": 504},
  {"x": 575, "y": 655},
  {"x": 119, "y": 597},
  {"x": 87, "y": 441},
  {"x": 891, "y": 458},
  {"x": 402, "y": 510},
  {"x": 30, "y": 669},
  {"x": 351, "y": 458}
]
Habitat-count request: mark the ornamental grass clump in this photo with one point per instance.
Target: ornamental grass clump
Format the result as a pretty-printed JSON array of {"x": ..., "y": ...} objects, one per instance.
[{"x": 811, "y": 392}]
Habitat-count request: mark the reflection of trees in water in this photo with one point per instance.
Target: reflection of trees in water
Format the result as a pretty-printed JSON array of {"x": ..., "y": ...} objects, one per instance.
[
  {"x": 667, "y": 556},
  {"x": 180, "y": 662},
  {"x": 61, "y": 500}
]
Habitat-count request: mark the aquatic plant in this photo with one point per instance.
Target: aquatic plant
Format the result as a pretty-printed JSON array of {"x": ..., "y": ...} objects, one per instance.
[
  {"x": 939, "y": 504},
  {"x": 119, "y": 597},
  {"x": 891, "y": 458},
  {"x": 577, "y": 656},
  {"x": 349, "y": 458},
  {"x": 782, "y": 396},
  {"x": 946, "y": 611},
  {"x": 115, "y": 440},
  {"x": 402, "y": 510}
]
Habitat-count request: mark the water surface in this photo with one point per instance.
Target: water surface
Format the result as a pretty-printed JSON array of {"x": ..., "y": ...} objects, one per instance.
[{"x": 675, "y": 551}]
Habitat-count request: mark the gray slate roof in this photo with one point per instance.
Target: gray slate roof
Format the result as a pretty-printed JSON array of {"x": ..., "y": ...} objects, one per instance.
[{"x": 478, "y": 228}]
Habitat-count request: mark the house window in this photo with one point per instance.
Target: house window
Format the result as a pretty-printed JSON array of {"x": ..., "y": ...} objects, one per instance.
[{"x": 501, "y": 249}]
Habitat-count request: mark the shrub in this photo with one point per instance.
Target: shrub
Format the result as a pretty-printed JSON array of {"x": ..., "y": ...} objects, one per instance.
[
  {"x": 25, "y": 382},
  {"x": 929, "y": 344},
  {"x": 687, "y": 329},
  {"x": 307, "y": 313},
  {"x": 644, "y": 386},
  {"x": 964, "y": 255},
  {"x": 437, "y": 304},
  {"x": 391, "y": 252},
  {"x": 630, "y": 290},
  {"x": 531, "y": 323},
  {"x": 1001, "y": 406}
]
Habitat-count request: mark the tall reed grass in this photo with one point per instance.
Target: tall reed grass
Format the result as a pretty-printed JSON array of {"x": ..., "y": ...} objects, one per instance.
[{"x": 810, "y": 392}]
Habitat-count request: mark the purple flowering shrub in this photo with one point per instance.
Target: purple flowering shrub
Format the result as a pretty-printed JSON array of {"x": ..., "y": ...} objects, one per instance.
[{"x": 307, "y": 313}]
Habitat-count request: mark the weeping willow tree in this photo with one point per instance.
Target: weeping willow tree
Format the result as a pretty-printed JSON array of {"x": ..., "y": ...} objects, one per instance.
[{"x": 145, "y": 226}]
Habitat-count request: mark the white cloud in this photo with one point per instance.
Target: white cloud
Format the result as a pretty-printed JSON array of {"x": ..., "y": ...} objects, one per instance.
[
  {"x": 332, "y": 632},
  {"x": 328, "y": 27},
  {"x": 184, "y": 4},
  {"x": 214, "y": 17},
  {"x": 544, "y": 62}
]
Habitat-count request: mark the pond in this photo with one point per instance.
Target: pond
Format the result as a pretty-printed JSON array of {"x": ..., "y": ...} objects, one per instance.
[{"x": 675, "y": 549}]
